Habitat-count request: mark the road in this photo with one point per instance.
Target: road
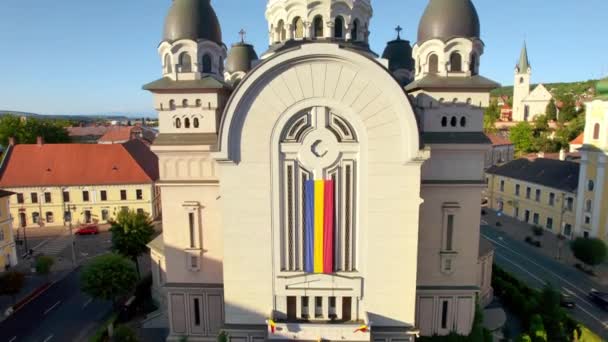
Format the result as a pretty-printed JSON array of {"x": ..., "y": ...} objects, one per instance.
[
  {"x": 62, "y": 313},
  {"x": 536, "y": 269}
]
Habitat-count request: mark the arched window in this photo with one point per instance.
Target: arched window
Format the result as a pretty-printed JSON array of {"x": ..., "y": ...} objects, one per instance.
[
  {"x": 281, "y": 33},
  {"x": 185, "y": 103},
  {"x": 588, "y": 206},
  {"x": 298, "y": 27},
  {"x": 171, "y": 104},
  {"x": 318, "y": 27},
  {"x": 35, "y": 217},
  {"x": 195, "y": 122},
  {"x": 521, "y": 80},
  {"x": 473, "y": 64},
  {"x": 596, "y": 131},
  {"x": 185, "y": 62},
  {"x": 590, "y": 185},
  {"x": 49, "y": 217},
  {"x": 198, "y": 102},
  {"x": 454, "y": 121},
  {"x": 339, "y": 27},
  {"x": 178, "y": 123},
  {"x": 168, "y": 67},
  {"x": 455, "y": 62},
  {"x": 463, "y": 121},
  {"x": 186, "y": 123},
  {"x": 207, "y": 64},
  {"x": 354, "y": 32},
  {"x": 433, "y": 64},
  {"x": 444, "y": 121}
]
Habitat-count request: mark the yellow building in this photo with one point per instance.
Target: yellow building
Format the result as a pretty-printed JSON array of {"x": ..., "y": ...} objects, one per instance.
[
  {"x": 8, "y": 252},
  {"x": 592, "y": 205},
  {"x": 540, "y": 192},
  {"x": 87, "y": 183}
]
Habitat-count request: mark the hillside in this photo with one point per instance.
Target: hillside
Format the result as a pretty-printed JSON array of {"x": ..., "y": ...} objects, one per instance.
[
  {"x": 557, "y": 89},
  {"x": 84, "y": 118}
]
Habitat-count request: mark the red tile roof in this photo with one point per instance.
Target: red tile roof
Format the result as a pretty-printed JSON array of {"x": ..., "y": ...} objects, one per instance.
[
  {"x": 79, "y": 164},
  {"x": 120, "y": 134},
  {"x": 578, "y": 140},
  {"x": 87, "y": 131},
  {"x": 499, "y": 140}
]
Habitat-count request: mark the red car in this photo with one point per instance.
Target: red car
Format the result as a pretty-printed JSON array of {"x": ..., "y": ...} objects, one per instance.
[{"x": 91, "y": 229}]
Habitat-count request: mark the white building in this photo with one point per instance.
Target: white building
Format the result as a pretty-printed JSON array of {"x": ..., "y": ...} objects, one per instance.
[
  {"x": 305, "y": 188},
  {"x": 528, "y": 105}
]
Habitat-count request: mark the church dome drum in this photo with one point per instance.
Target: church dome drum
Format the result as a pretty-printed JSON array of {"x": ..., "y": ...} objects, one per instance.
[
  {"x": 192, "y": 19},
  {"x": 240, "y": 57},
  {"x": 445, "y": 19}
]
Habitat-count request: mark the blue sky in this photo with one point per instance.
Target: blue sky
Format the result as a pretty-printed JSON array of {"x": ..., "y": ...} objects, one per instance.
[{"x": 81, "y": 57}]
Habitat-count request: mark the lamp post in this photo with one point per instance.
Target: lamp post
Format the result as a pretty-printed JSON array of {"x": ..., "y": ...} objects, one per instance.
[{"x": 68, "y": 218}]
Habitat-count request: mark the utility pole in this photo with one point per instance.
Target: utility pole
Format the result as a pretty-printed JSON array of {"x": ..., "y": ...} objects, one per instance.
[{"x": 73, "y": 243}]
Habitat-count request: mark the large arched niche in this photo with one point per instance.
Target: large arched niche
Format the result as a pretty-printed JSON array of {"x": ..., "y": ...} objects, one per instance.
[{"x": 324, "y": 73}]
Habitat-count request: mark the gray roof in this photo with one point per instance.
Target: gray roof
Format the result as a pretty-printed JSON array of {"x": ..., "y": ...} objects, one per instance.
[
  {"x": 192, "y": 19},
  {"x": 432, "y": 81},
  {"x": 240, "y": 57},
  {"x": 524, "y": 62},
  {"x": 463, "y": 138},
  {"x": 399, "y": 55},
  {"x": 557, "y": 174},
  {"x": 445, "y": 19},
  {"x": 166, "y": 83}
]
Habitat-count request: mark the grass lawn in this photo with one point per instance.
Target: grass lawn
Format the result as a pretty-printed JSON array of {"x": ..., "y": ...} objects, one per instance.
[{"x": 588, "y": 336}]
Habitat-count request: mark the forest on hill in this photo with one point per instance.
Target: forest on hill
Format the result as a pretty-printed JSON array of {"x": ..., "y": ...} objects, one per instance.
[{"x": 557, "y": 89}]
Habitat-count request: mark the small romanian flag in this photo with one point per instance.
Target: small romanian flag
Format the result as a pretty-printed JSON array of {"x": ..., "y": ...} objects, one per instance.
[
  {"x": 363, "y": 329},
  {"x": 272, "y": 326},
  {"x": 319, "y": 226}
]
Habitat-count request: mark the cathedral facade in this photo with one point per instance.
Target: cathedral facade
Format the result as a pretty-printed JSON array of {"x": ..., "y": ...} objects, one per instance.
[{"x": 320, "y": 192}]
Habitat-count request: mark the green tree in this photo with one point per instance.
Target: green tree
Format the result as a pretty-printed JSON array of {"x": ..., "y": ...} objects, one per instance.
[
  {"x": 552, "y": 313},
  {"x": 537, "y": 329},
  {"x": 27, "y": 130},
  {"x": 11, "y": 283},
  {"x": 131, "y": 232},
  {"x": 524, "y": 338},
  {"x": 123, "y": 333},
  {"x": 568, "y": 110},
  {"x": 522, "y": 136},
  {"x": 541, "y": 123},
  {"x": 489, "y": 124},
  {"x": 44, "y": 264},
  {"x": 109, "y": 277},
  {"x": 551, "y": 110},
  {"x": 590, "y": 251}
]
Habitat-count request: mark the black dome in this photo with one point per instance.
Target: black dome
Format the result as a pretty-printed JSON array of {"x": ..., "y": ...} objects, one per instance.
[
  {"x": 192, "y": 19},
  {"x": 240, "y": 57},
  {"x": 445, "y": 19},
  {"x": 399, "y": 55}
]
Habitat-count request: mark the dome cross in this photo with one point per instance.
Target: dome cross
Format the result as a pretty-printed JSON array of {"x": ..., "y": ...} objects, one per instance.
[
  {"x": 398, "y": 29},
  {"x": 242, "y": 33}
]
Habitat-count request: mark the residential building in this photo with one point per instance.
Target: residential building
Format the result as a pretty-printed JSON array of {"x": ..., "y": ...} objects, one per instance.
[
  {"x": 320, "y": 189},
  {"x": 8, "y": 250},
  {"x": 506, "y": 113},
  {"x": 592, "y": 206},
  {"x": 528, "y": 105},
  {"x": 87, "y": 182},
  {"x": 577, "y": 143},
  {"x": 541, "y": 192},
  {"x": 122, "y": 134},
  {"x": 502, "y": 151},
  {"x": 86, "y": 134}
]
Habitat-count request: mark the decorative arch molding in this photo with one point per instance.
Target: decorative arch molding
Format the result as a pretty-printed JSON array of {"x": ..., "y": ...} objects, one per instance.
[{"x": 323, "y": 74}]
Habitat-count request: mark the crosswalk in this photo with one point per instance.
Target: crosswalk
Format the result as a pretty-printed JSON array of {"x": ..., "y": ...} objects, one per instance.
[{"x": 55, "y": 246}]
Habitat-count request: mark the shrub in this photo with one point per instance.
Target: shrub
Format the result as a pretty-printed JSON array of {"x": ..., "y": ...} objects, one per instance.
[
  {"x": 538, "y": 230},
  {"x": 44, "y": 264},
  {"x": 591, "y": 252},
  {"x": 123, "y": 333}
]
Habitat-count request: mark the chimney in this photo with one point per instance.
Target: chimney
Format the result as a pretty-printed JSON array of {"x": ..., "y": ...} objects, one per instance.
[
  {"x": 11, "y": 141},
  {"x": 39, "y": 141},
  {"x": 562, "y": 154}
]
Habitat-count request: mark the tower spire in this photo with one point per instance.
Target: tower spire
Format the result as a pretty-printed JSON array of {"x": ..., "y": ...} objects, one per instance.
[{"x": 524, "y": 62}]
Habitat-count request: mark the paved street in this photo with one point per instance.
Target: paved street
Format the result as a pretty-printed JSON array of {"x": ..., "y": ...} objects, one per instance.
[
  {"x": 537, "y": 269},
  {"x": 63, "y": 313}
]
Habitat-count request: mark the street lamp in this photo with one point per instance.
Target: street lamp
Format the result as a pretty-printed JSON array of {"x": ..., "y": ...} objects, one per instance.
[{"x": 68, "y": 218}]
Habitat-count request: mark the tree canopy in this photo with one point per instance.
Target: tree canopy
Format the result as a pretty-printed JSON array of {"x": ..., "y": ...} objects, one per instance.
[
  {"x": 551, "y": 110},
  {"x": 590, "y": 251},
  {"x": 108, "y": 277},
  {"x": 26, "y": 130},
  {"x": 522, "y": 136},
  {"x": 131, "y": 232}
]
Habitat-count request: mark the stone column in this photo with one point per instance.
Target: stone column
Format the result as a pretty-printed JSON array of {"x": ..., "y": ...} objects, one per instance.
[
  {"x": 290, "y": 29},
  {"x": 329, "y": 30},
  {"x": 347, "y": 34},
  {"x": 580, "y": 199},
  {"x": 598, "y": 195}
]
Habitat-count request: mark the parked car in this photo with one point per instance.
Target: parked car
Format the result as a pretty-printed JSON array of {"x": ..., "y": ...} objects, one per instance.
[
  {"x": 91, "y": 229},
  {"x": 599, "y": 298},
  {"x": 567, "y": 301}
]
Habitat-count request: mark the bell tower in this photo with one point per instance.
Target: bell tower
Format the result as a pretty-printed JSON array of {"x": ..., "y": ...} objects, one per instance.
[{"x": 521, "y": 86}]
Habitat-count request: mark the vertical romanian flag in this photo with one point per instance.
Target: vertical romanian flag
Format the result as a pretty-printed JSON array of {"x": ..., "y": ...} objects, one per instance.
[{"x": 319, "y": 226}]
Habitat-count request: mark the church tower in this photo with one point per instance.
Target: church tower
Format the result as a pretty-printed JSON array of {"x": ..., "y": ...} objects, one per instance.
[
  {"x": 449, "y": 96},
  {"x": 521, "y": 86}
]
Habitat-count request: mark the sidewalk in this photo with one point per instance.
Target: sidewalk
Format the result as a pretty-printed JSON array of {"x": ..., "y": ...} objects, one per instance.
[{"x": 552, "y": 246}]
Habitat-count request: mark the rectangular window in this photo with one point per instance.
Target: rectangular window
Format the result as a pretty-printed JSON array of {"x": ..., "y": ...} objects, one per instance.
[
  {"x": 123, "y": 195},
  {"x": 536, "y": 218},
  {"x": 551, "y": 199},
  {"x": 516, "y": 213},
  {"x": 528, "y": 192},
  {"x": 587, "y": 219},
  {"x": 292, "y": 308},
  {"x": 332, "y": 307},
  {"x": 517, "y": 188},
  {"x": 570, "y": 203},
  {"x": 34, "y": 197},
  {"x": 318, "y": 307},
  {"x": 549, "y": 223},
  {"x": 449, "y": 233},
  {"x": 194, "y": 262},
  {"x": 47, "y": 197},
  {"x": 139, "y": 194},
  {"x": 20, "y": 198},
  {"x": 568, "y": 229},
  {"x": 140, "y": 211},
  {"x": 105, "y": 215},
  {"x": 502, "y": 186},
  {"x": 66, "y": 196},
  {"x": 444, "y": 314},
  {"x": 197, "y": 312},
  {"x": 104, "y": 195},
  {"x": 305, "y": 307},
  {"x": 537, "y": 195},
  {"x": 85, "y": 196},
  {"x": 527, "y": 217},
  {"x": 1, "y": 234},
  {"x": 192, "y": 232}
]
